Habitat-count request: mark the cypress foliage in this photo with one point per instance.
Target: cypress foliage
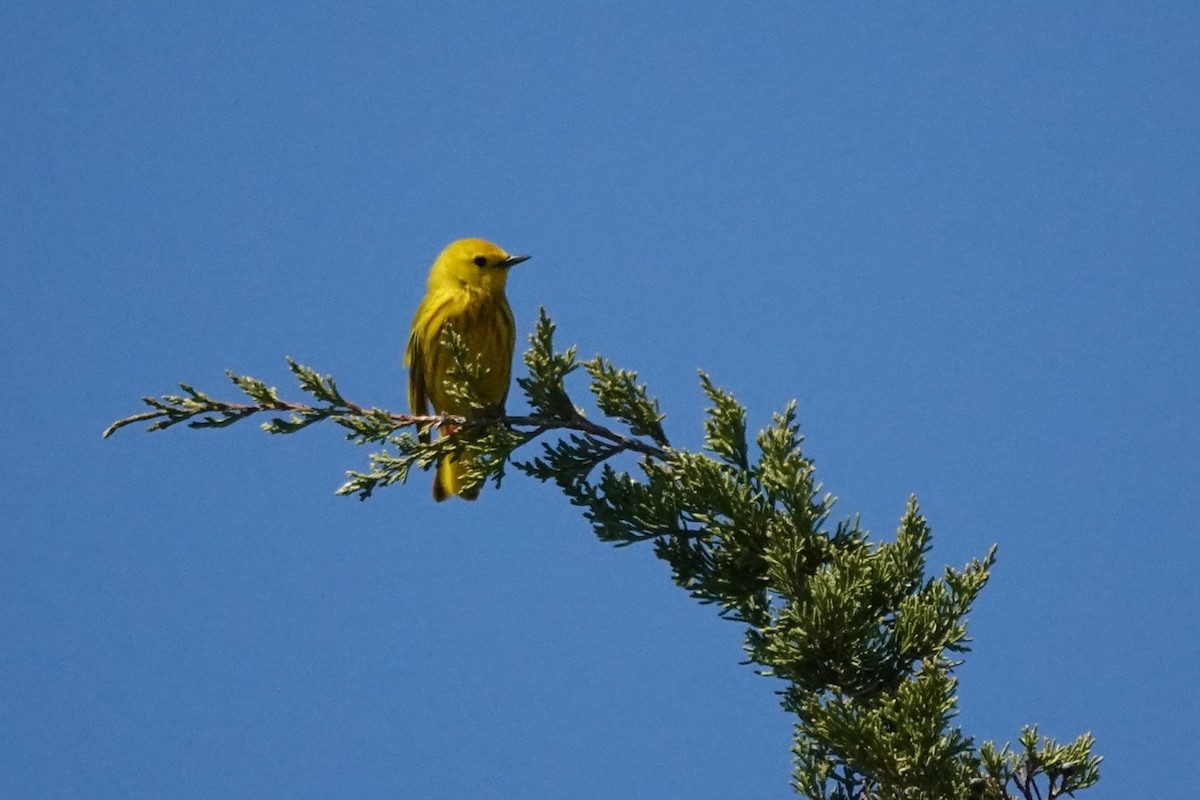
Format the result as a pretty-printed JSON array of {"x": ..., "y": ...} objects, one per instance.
[{"x": 863, "y": 639}]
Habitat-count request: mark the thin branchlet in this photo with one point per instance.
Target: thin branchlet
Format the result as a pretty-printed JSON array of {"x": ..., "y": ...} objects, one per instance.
[{"x": 173, "y": 410}]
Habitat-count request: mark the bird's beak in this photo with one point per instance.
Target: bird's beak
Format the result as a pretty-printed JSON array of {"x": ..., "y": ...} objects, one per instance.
[{"x": 512, "y": 261}]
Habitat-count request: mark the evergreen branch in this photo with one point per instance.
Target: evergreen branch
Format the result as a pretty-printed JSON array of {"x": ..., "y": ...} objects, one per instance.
[
  {"x": 864, "y": 640},
  {"x": 200, "y": 410},
  {"x": 494, "y": 435}
]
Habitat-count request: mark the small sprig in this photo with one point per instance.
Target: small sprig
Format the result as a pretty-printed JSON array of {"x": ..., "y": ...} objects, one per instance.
[
  {"x": 725, "y": 426},
  {"x": 172, "y": 409},
  {"x": 619, "y": 395},
  {"x": 1043, "y": 762},
  {"x": 466, "y": 373},
  {"x": 547, "y": 371},
  {"x": 200, "y": 410}
]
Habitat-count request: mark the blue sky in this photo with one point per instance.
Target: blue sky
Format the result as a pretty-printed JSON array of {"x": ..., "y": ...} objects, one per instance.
[{"x": 965, "y": 237}]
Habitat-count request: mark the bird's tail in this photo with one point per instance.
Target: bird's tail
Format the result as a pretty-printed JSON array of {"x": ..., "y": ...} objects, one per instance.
[{"x": 449, "y": 479}]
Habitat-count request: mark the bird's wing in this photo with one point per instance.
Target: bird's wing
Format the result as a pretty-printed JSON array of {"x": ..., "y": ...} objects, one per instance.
[
  {"x": 508, "y": 334},
  {"x": 414, "y": 359}
]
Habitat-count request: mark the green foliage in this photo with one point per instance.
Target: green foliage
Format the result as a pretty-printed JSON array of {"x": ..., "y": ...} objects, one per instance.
[
  {"x": 619, "y": 395},
  {"x": 864, "y": 642},
  {"x": 465, "y": 374},
  {"x": 547, "y": 370},
  {"x": 1063, "y": 769}
]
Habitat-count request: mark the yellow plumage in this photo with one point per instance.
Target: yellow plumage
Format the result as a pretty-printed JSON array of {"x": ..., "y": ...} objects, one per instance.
[{"x": 465, "y": 292}]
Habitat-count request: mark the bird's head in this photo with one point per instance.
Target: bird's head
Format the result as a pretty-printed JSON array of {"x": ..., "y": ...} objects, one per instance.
[{"x": 474, "y": 263}]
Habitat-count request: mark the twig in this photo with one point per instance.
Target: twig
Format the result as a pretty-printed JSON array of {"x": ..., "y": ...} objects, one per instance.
[{"x": 172, "y": 410}]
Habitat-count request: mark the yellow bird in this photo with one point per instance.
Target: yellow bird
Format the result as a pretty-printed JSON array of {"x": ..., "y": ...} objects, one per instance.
[{"x": 466, "y": 293}]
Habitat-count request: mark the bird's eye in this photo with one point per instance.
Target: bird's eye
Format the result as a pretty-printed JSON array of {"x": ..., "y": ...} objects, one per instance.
[{"x": 480, "y": 261}]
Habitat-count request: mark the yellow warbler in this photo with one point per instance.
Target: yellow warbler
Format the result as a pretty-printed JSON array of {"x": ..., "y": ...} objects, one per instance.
[{"x": 466, "y": 293}]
